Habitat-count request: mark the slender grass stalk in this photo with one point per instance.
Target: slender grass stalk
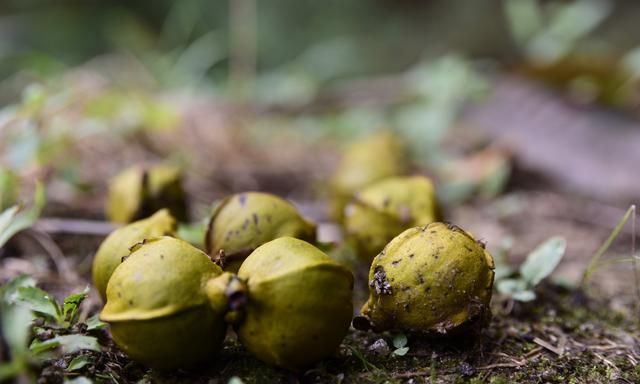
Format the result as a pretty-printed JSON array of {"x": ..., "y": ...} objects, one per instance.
[
  {"x": 618, "y": 260},
  {"x": 594, "y": 263}
]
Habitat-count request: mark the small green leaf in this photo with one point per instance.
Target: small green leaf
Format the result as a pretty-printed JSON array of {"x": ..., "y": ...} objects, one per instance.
[
  {"x": 14, "y": 220},
  {"x": 526, "y": 295},
  {"x": 543, "y": 260},
  {"x": 15, "y": 321},
  {"x": 400, "y": 340},
  {"x": 6, "y": 216},
  {"x": 511, "y": 286},
  {"x": 75, "y": 343},
  {"x": 67, "y": 344},
  {"x": 76, "y": 298},
  {"x": 72, "y": 303},
  {"x": 78, "y": 362},
  {"x": 401, "y": 351},
  {"x": 38, "y": 301},
  {"x": 518, "y": 289},
  {"x": 502, "y": 271},
  {"x": 37, "y": 347},
  {"x": 94, "y": 323}
]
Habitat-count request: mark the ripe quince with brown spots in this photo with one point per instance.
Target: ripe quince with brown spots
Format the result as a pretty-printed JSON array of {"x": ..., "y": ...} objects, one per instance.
[
  {"x": 244, "y": 221},
  {"x": 435, "y": 279},
  {"x": 166, "y": 304},
  {"x": 299, "y": 304}
]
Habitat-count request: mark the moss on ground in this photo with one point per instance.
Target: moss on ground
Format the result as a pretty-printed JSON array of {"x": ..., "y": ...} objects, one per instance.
[{"x": 560, "y": 338}]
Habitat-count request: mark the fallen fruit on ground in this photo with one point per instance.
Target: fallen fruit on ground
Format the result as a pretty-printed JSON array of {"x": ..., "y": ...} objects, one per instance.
[
  {"x": 166, "y": 305},
  {"x": 244, "y": 221},
  {"x": 139, "y": 191},
  {"x": 117, "y": 245},
  {"x": 299, "y": 304},
  {"x": 435, "y": 279},
  {"x": 379, "y": 212},
  {"x": 364, "y": 162}
]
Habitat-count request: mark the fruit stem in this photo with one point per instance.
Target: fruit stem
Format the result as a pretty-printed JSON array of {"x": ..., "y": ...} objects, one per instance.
[{"x": 227, "y": 294}]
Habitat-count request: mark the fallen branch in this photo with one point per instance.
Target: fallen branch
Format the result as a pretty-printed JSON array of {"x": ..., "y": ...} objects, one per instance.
[{"x": 57, "y": 225}]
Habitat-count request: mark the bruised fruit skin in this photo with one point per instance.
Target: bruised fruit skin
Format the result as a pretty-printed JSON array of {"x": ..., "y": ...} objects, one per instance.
[
  {"x": 435, "y": 279},
  {"x": 244, "y": 221},
  {"x": 299, "y": 303},
  {"x": 117, "y": 245},
  {"x": 139, "y": 191},
  {"x": 364, "y": 162},
  {"x": 382, "y": 210},
  {"x": 164, "y": 306}
]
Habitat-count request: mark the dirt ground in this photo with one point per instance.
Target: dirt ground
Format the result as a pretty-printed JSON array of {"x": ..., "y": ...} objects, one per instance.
[{"x": 567, "y": 335}]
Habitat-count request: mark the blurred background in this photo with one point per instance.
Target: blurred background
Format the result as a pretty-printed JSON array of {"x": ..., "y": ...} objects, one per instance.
[{"x": 493, "y": 99}]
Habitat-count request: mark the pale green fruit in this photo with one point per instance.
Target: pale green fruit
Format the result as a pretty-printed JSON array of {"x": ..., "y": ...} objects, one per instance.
[
  {"x": 299, "y": 303},
  {"x": 139, "y": 191},
  {"x": 244, "y": 221},
  {"x": 435, "y": 279},
  {"x": 116, "y": 246},
  {"x": 381, "y": 211},
  {"x": 165, "y": 305},
  {"x": 364, "y": 162}
]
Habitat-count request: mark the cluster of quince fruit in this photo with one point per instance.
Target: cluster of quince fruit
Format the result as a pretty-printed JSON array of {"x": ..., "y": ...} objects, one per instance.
[{"x": 169, "y": 304}]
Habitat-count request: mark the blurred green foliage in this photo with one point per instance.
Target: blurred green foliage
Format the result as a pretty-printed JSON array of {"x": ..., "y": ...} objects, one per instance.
[
  {"x": 187, "y": 42},
  {"x": 356, "y": 37}
]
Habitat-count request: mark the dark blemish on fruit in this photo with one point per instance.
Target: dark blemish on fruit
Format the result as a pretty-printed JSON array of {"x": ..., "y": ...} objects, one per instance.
[
  {"x": 245, "y": 224},
  {"x": 268, "y": 219},
  {"x": 468, "y": 248},
  {"x": 420, "y": 279},
  {"x": 131, "y": 302},
  {"x": 255, "y": 219},
  {"x": 380, "y": 283},
  {"x": 396, "y": 262},
  {"x": 411, "y": 256}
]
